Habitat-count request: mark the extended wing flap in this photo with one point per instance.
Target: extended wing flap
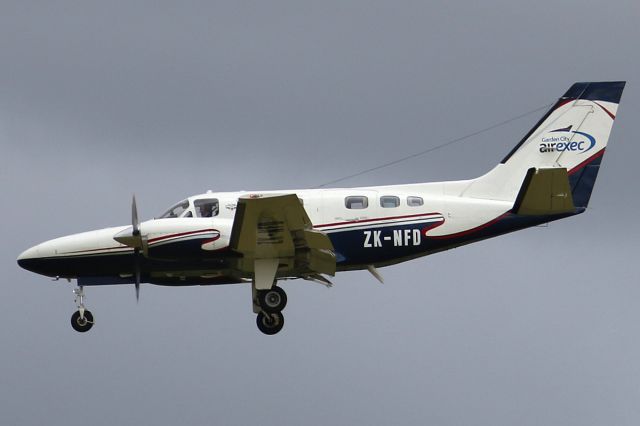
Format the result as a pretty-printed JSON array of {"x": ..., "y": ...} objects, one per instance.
[
  {"x": 322, "y": 261},
  {"x": 317, "y": 240},
  {"x": 277, "y": 227},
  {"x": 544, "y": 192}
]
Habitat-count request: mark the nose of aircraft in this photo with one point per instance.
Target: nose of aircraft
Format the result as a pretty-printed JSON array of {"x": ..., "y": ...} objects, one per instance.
[
  {"x": 62, "y": 256},
  {"x": 32, "y": 258},
  {"x": 28, "y": 259}
]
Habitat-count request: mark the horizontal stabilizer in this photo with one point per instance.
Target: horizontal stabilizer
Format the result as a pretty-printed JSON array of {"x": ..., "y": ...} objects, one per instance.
[{"x": 544, "y": 192}]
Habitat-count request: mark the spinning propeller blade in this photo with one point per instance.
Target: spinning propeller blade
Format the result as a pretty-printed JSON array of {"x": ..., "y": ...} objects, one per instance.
[
  {"x": 134, "y": 217},
  {"x": 137, "y": 274},
  {"x": 131, "y": 237},
  {"x": 136, "y": 252}
]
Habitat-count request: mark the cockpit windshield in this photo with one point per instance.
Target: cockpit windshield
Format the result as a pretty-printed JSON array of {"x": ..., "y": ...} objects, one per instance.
[{"x": 177, "y": 210}]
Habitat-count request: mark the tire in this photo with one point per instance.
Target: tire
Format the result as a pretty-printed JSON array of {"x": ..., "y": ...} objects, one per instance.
[
  {"x": 273, "y": 300},
  {"x": 82, "y": 325},
  {"x": 270, "y": 324}
]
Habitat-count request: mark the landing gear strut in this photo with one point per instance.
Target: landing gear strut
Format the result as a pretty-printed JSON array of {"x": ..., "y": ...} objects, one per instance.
[
  {"x": 268, "y": 304},
  {"x": 82, "y": 319}
]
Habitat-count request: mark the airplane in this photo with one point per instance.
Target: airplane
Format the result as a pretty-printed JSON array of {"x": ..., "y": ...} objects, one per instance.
[{"x": 264, "y": 237}]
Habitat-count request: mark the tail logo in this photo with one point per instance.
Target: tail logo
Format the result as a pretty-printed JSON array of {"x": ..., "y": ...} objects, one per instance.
[{"x": 566, "y": 139}]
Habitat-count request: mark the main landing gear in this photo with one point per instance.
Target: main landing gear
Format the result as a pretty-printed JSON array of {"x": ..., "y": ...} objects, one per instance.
[
  {"x": 82, "y": 319},
  {"x": 268, "y": 304}
]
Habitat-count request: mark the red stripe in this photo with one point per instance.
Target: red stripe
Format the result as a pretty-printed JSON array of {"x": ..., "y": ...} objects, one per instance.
[
  {"x": 431, "y": 226},
  {"x": 151, "y": 240},
  {"x": 180, "y": 234},
  {"x": 98, "y": 249},
  {"x": 375, "y": 220},
  {"x": 613, "y": 117},
  {"x": 587, "y": 161},
  {"x": 210, "y": 240},
  {"x": 472, "y": 230}
]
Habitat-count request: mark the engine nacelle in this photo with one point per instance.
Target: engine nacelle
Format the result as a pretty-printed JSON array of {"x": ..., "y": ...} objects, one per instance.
[{"x": 176, "y": 238}]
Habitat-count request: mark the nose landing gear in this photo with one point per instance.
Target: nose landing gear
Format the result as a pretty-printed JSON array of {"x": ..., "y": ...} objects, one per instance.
[{"x": 82, "y": 319}]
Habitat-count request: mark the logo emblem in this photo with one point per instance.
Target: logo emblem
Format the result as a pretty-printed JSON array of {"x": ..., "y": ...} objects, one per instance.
[{"x": 565, "y": 139}]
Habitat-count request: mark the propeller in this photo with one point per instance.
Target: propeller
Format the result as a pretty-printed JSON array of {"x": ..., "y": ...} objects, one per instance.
[
  {"x": 137, "y": 269},
  {"x": 134, "y": 217},
  {"x": 136, "y": 251},
  {"x": 131, "y": 237}
]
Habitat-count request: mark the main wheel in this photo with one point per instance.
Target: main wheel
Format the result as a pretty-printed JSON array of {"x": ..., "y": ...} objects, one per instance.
[
  {"x": 82, "y": 324},
  {"x": 272, "y": 300},
  {"x": 270, "y": 323}
]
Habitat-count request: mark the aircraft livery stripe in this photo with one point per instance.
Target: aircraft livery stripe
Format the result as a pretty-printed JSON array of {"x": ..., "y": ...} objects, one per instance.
[
  {"x": 419, "y": 221},
  {"x": 89, "y": 254},
  {"x": 613, "y": 117},
  {"x": 126, "y": 248},
  {"x": 99, "y": 249},
  {"x": 472, "y": 230},
  {"x": 181, "y": 234},
  {"x": 378, "y": 219},
  {"x": 185, "y": 238},
  {"x": 587, "y": 161}
]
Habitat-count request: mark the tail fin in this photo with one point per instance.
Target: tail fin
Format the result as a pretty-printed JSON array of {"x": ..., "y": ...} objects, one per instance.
[{"x": 572, "y": 135}]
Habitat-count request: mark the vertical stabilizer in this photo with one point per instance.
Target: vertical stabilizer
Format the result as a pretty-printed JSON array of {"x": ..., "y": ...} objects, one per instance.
[{"x": 572, "y": 135}]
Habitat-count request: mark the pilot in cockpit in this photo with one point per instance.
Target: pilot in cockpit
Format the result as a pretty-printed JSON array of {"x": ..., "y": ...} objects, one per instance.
[{"x": 208, "y": 209}]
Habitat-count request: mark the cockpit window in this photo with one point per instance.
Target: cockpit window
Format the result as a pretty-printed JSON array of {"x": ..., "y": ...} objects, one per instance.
[
  {"x": 177, "y": 210},
  {"x": 206, "y": 207}
]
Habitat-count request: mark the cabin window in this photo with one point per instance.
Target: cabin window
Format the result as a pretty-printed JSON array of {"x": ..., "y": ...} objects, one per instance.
[
  {"x": 389, "y": 201},
  {"x": 356, "y": 202},
  {"x": 415, "y": 201},
  {"x": 206, "y": 207}
]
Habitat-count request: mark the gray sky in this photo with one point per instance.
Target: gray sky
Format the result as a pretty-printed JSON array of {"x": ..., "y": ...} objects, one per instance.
[{"x": 99, "y": 100}]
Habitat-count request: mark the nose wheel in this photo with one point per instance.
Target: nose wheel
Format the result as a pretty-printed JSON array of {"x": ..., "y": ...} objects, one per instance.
[
  {"x": 82, "y": 319},
  {"x": 82, "y": 323}
]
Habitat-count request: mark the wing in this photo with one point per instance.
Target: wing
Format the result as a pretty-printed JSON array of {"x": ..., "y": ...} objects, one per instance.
[{"x": 275, "y": 237}]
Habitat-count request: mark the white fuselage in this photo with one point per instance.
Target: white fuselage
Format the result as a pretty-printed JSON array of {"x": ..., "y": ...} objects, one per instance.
[{"x": 389, "y": 225}]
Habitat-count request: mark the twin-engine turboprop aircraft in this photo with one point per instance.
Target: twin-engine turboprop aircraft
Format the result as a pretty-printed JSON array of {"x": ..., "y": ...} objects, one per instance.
[{"x": 264, "y": 237}]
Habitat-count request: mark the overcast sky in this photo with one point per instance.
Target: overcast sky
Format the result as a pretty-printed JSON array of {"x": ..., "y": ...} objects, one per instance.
[{"x": 99, "y": 100}]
